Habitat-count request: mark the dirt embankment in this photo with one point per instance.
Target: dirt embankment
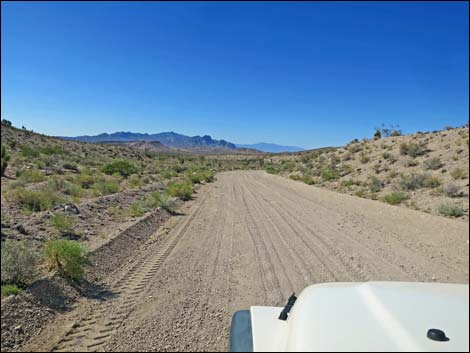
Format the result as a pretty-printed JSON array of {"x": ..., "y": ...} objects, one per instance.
[{"x": 252, "y": 239}]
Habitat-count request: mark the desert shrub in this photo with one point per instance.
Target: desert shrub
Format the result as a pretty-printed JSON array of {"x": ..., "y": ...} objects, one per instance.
[
  {"x": 271, "y": 169},
  {"x": 354, "y": 147},
  {"x": 30, "y": 176},
  {"x": 450, "y": 189},
  {"x": 389, "y": 156},
  {"x": 62, "y": 223},
  {"x": 135, "y": 181},
  {"x": 36, "y": 201},
  {"x": 412, "y": 181},
  {"x": 433, "y": 163},
  {"x": 5, "y": 159},
  {"x": 29, "y": 152},
  {"x": 295, "y": 177},
  {"x": 196, "y": 176},
  {"x": 451, "y": 210},
  {"x": 157, "y": 199},
  {"x": 106, "y": 187},
  {"x": 307, "y": 179},
  {"x": 412, "y": 149},
  {"x": 59, "y": 184},
  {"x": 410, "y": 162},
  {"x": 329, "y": 174},
  {"x": 18, "y": 263},
  {"x": 86, "y": 180},
  {"x": 122, "y": 167},
  {"x": 10, "y": 289},
  {"x": 363, "y": 158},
  {"x": 350, "y": 182},
  {"x": 50, "y": 149},
  {"x": 361, "y": 193},
  {"x": 459, "y": 173},
  {"x": 137, "y": 209},
  {"x": 375, "y": 184},
  {"x": 181, "y": 190},
  {"x": 431, "y": 182},
  {"x": 67, "y": 257},
  {"x": 395, "y": 198}
]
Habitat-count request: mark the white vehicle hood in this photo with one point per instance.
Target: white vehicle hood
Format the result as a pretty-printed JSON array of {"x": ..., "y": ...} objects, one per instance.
[{"x": 374, "y": 316}]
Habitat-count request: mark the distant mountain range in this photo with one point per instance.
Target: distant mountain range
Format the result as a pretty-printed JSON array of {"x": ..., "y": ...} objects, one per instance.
[
  {"x": 173, "y": 139},
  {"x": 271, "y": 147}
]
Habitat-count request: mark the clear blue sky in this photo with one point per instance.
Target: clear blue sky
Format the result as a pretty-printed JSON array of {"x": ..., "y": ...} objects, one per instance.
[{"x": 298, "y": 73}]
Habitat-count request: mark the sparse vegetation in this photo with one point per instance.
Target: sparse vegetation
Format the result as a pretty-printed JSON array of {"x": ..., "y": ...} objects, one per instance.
[
  {"x": 10, "y": 289},
  {"x": 63, "y": 223}
]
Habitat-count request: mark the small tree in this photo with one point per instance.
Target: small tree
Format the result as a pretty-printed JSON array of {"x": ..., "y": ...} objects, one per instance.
[{"x": 5, "y": 159}]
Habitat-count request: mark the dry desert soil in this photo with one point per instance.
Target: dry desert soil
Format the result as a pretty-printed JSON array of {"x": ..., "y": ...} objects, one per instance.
[{"x": 252, "y": 238}]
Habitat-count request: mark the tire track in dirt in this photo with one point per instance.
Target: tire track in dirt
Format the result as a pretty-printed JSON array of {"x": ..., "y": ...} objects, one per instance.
[
  {"x": 92, "y": 331},
  {"x": 371, "y": 266},
  {"x": 252, "y": 239}
]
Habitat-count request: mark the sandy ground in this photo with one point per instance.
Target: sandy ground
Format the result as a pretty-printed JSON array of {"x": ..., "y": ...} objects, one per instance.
[{"x": 252, "y": 238}]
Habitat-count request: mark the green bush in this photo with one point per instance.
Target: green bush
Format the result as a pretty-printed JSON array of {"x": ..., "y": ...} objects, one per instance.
[
  {"x": 137, "y": 209},
  {"x": 50, "y": 150},
  {"x": 433, "y": 163},
  {"x": 122, "y": 167},
  {"x": 30, "y": 176},
  {"x": 307, "y": 179},
  {"x": 62, "y": 223},
  {"x": 412, "y": 149},
  {"x": 395, "y": 198},
  {"x": 67, "y": 257},
  {"x": 412, "y": 181},
  {"x": 135, "y": 181},
  {"x": 18, "y": 262},
  {"x": 5, "y": 158},
  {"x": 375, "y": 184},
  {"x": 29, "y": 152},
  {"x": 181, "y": 190},
  {"x": 157, "y": 199},
  {"x": 451, "y": 211},
  {"x": 10, "y": 289},
  {"x": 271, "y": 169},
  {"x": 196, "y": 176},
  {"x": 106, "y": 187},
  {"x": 36, "y": 201},
  {"x": 329, "y": 174}
]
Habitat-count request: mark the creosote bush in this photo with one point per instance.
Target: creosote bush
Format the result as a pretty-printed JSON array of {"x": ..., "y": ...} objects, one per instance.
[
  {"x": 18, "y": 263},
  {"x": 181, "y": 190},
  {"x": 395, "y": 198},
  {"x": 67, "y": 257},
  {"x": 451, "y": 210}
]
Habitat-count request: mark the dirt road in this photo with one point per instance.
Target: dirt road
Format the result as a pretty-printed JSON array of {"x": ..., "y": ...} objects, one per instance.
[{"x": 254, "y": 238}]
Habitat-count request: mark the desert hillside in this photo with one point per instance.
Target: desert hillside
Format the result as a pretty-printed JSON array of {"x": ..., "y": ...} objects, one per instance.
[{"x": 424, "y": 171}]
